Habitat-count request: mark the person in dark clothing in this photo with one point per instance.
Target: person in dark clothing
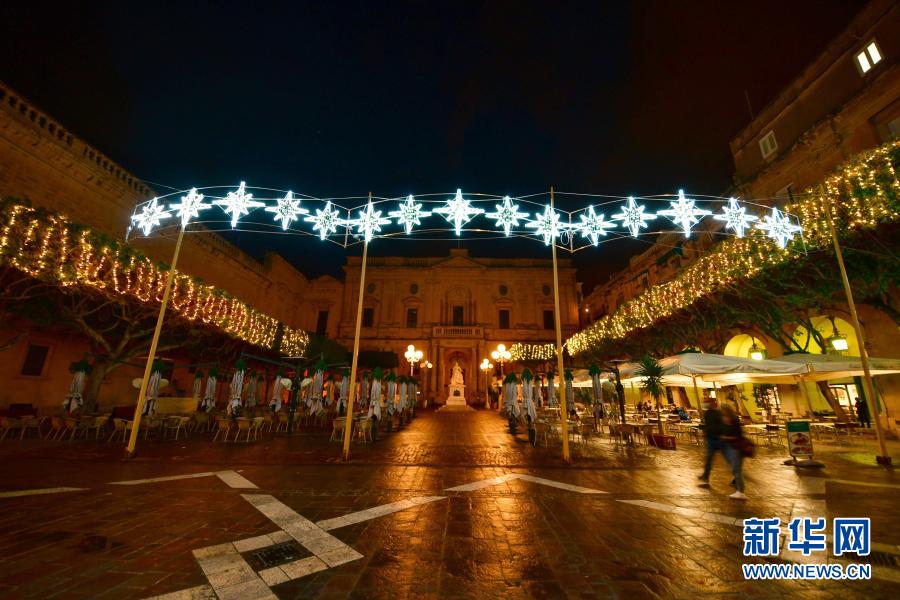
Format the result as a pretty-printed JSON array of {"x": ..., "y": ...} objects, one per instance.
[
  {"x": 862, "y": 413},
  {"x": 712, "y": 430},
  {"x": 731, "y": 433}
]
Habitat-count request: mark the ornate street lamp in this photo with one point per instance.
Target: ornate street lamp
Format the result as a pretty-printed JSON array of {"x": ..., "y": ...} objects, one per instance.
[
  {"x": 838, "y": 341},
  {"x": 487, "y": 367},
  {"x": 413, "y": 356},
  {"x": 501, "y": 355}
]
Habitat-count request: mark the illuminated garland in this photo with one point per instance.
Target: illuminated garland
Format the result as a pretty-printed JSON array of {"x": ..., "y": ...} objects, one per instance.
[
  {"x": 532, "y": 352},
  {"x": 862, "y": 194},
  {"x": 49, "y": 248}
]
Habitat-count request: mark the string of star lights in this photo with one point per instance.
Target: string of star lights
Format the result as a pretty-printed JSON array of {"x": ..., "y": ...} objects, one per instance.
[
  {"x": 48, "y": 247},
  {"x": 430, "y": 215},
  {"x": 861, "y": 194}
]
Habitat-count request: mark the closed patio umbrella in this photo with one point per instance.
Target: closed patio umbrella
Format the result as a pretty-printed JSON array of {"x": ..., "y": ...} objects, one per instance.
[
  {"x": 528, "y": 396},
  {"x": 344, "y": 395},
  {"x": 153, "y": 388},
  {"x": 197, "y": 388},
  {"x": 237, "y": 386},
  {"x": 209, "y": 395},
  {"x": 551, "y": 391},
  {"x": 74, "y": 399},
  {"x": 375, "y": 396},
  {"x": 318, "y": 384},
  {"x": 404, "y": 391},
  {"x": 277, "y": 387}
]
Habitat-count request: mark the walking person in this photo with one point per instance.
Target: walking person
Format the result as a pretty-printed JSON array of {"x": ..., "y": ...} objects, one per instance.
[
  {"x": 862, "y": 413},
  {"x": 712, "y": 430},
  {"x": 735, "y": 446}
]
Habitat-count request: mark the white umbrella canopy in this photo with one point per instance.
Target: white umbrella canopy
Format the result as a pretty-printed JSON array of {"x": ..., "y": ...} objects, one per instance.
[
  {"x": 709, "y": 368},
  {"x": 831, "y": 366}
]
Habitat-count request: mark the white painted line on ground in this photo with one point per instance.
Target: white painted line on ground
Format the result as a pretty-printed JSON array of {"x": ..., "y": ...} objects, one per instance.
[
  {"x": 235, "y": 480},
  {"x": 157, "y": 479},
  {"x": 229, "y": 575},
  {"x": 865, "y": 483},
  {"x": 38, "y": 492},
  {"x": 377, "y": 511},
  {"x": 232, "y": 479},
  {"x": 477, "y": 485},
  {"x": 201, "y": 592},
  {"x": 686, "y": 512}
]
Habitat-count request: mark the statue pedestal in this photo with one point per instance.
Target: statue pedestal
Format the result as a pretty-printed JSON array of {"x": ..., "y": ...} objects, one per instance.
[{"x": 456, "y": 395}]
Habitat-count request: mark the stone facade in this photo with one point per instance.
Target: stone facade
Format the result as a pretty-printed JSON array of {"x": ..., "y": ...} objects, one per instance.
[{"x": 456, "y": 307}]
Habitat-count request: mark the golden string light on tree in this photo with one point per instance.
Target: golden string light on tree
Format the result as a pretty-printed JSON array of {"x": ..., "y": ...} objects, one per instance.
[
  {"x": 47, "y": 247},
  {"x": 532, "y": 352},
  {"x": 861, "y": 194}
]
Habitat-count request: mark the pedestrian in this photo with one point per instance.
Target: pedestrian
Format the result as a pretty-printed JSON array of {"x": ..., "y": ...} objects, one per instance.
[
  {"x": 862, "y": 413},
  {"x": 712, "y": 431},
  {"x": 735, "y": 447}
]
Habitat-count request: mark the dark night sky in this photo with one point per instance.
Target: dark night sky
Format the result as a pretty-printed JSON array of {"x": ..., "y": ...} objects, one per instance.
[{"x": 339, "y": 98}]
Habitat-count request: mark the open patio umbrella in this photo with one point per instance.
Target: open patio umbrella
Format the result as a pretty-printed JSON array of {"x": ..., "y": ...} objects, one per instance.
[
  {"x": 237, "y": 386},
  {"x": 74, "y": 399},
  {"x": 551, "y": 391},
  {"x": 277, "y": 387},
  {"x": 375, "y": 396},
  {"x": 209, "y": 395}
]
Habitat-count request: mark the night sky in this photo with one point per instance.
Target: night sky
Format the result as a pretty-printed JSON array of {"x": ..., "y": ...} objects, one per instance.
[{"x": 340, "y": 98}]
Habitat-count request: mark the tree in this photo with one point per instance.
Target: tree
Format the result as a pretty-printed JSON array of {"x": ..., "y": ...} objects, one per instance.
[{"x": 652, "y": 373}]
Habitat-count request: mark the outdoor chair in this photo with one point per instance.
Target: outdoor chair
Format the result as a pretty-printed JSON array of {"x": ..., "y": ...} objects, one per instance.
[
  {"x": 268, "y": 420},
  {"x": 57, "y": 428},
  {"x": 258, "y": 423},
  {"x": 223, "y": 428},
  {"x": 176, "y": 424},
  {"x": 244, "y": 425},
  {"x": 8, "y": 424},
  {"x": 151, "y": 424},
  {"x": 364, "y": 430},
  {"x": 200, "y": 421},
  {"x": 337, "y": 430},
  {"x": 33, "y": 424},
  {"x": 616, "y": 433},
  {"x": 97, "y": 424},
  {"x": 75, "y": 426},
  {"x": 120, "y": 426},
  {"x": 282, "y": 422}
]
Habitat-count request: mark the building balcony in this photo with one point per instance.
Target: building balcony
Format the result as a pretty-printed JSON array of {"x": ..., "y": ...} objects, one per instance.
[{"x": 457, "y": 331}]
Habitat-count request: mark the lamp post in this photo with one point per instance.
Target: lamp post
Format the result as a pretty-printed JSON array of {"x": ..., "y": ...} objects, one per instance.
[
  {"x": 487, "y": 367},
  {"x": 757, "y": 352},
  {"x": 425, "y": 365},
  {"x": 501, "y": 355},
  {"x": 413, "y": 356}
]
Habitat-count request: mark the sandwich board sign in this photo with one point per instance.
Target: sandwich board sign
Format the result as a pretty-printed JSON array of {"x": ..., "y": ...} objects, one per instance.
[{"x": 800, "y": 444}]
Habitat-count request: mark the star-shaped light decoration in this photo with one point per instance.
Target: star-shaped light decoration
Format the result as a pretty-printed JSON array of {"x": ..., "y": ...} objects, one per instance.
[
  {"x": 458, "y": 211},
  {"x": 238, "y": 204},
  {"x": 190, "y": 206},
  {"x": 369, "y": 221},
  {"x": 633, "y": 216},
  {"x": 593, "y": 225},
  {"x": 325, "y": 221},
  {"x": 779, "y": 227},
  {"x": 684, "y": 213},
  {"x": 546, "y": 224},
  {"x": 507, "y": 215},
  {"x": 151, "y": 214},
  {"x": 735, "y": 217},
  {"x": 287, "y": 210},
  {"x": 409, "y": 213}
]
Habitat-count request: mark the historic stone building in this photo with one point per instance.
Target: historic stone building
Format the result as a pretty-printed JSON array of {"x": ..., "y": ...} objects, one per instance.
[{"x": 456, "y": 308}]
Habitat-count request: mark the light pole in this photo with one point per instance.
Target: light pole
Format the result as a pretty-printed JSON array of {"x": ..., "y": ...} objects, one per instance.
[
  {"x": 425, "y": 365},
  {"x": 487, "y": 367},
  {"x": 413, "y": 356},
  {"x": 501, "y": 355}
]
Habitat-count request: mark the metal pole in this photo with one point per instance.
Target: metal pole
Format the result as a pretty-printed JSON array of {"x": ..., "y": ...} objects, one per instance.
[
  {"x": 132, "y": 440},
  {"x": 697, "y": 393},
  {"x": 884, "y": 458},
  {"x": 348, "y": 426},
  {"x": 564, "y": 413}
]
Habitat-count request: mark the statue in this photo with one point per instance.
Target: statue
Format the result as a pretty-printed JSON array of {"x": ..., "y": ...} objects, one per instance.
[{"x": 456, "y": 376}]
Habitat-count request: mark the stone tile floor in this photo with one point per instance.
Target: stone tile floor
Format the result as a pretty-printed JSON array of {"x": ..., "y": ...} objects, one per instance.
[{"x": 518, "y": 538}]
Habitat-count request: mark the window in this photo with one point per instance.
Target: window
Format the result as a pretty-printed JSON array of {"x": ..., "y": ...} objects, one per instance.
[
  {"x": 457, "y": 315},
  {"x": 368, "y": 317},
  {"x": 35, "y": 359},
  {"x": 549, "y": 321},
  {"x": 868, "y": 58},
  {"x": 412, "y": 317},
  {"x": 768, "y": 145},
  {"x": 322, "y": 323},
  {"x": 504, "y": 319}
]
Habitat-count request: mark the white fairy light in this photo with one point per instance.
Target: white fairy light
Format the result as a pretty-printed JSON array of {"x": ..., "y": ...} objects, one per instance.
[
  {"x": 546, "y": 224},
  {"x": 507, "y": 215},
  {"x": 593, "y": 225},
  {"x": 287, "y": 210},
  {"x": 735, "y": 217},
  {"x": 368, "y": 222},
  {"x": 409, "y": 213},
  {"x": 684, "y": 213},
  {"x": 325, "y": 221},
  {"x": 190, "y": 206},
  {"x": 238, "y": 204},
  {"x": 458, "y": 211},
  {"x": 779, "y": 227},
  {"x": 150, "y": 216},
  {"x": 633, "y": 216}
]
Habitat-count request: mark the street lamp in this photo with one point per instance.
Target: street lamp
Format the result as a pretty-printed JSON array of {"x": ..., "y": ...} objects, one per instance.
[
  {"x": 413, "y": 356},
  {"x": 838, "y": 341},
  {"x": 487, "y": 367},
  {"x": 501, "y": 355}
]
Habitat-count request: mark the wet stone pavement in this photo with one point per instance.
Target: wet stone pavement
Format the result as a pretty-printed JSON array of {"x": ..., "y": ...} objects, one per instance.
[{"x": 451, "y": 506}]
